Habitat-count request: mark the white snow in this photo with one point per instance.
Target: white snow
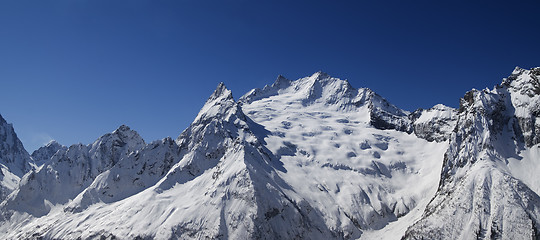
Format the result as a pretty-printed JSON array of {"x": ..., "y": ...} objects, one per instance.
[
  {"x": 439, "y": 111},
  {"x": 313, "y": 158},
  {"x": 342, "y": 166},
  {"x": 526, "y": 167}
]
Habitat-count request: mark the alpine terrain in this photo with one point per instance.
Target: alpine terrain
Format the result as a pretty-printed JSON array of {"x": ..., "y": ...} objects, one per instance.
[{"x": 313, "y": 158}]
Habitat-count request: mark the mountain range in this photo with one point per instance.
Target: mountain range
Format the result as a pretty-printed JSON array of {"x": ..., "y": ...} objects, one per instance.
[{"x": 313, "y": 158}]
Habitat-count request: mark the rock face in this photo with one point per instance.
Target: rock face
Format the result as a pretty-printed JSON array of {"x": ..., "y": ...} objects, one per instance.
[
  {"x": 434, "y": 124},
  {"x": 483, "y": 192},
  {"x": 347, "y": 152},
  {"x": 14, "y": 160},
  {"x": 524, "y": 92},
  {"x": 45, "y": 153},
  {"x": 13, "y": 156},
  {"x": 321, "y": 89},
  {"x": 312, "y": 158},
  {"x": 69, "y": 172}
]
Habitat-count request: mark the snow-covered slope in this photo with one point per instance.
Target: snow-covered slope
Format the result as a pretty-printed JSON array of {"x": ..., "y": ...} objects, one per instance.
[
  {"x": 488, "y": 186},
  {"x": 69, "y": 172},
  {"x": 434, "y": 124},
  {"x": 45, "y": 153},
  {"x": 13, "y": 156},
  {"x": 14, "y": 159},
  {"x": 312, "y": 158},
  {"x": 222, "y": 184},
  {"x": 352, "y": 169},
  {"x": 322, "y": 90}
]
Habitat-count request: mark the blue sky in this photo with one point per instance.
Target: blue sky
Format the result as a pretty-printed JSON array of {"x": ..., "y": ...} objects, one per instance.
[{"x": 74, "y": 70}]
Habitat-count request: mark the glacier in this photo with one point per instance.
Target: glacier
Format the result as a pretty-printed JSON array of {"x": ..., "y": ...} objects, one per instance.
[{"x": 312, "y": 158}]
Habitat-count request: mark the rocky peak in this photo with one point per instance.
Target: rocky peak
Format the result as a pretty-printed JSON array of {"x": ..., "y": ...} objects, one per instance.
[
  {"x": 334, "y": 93},
  {"x": 325, "y": 79},
  {"x": 220, "y": 116},
  {"x": 268, "y": 90},
  {"x": 70, "y": 170},
  {"x": 477, "y": 180},
  {"x": 219, "y": 104},
  {"x": 45, "y": 153},
  {"x": 12, "y": 152},
  {"x": 320, "y": 75},
  {"x": 111, "y": 147},
  {"x": 281, "y": 82},
  {"x": 221, "y": 92},
  {"x": 434, "y": 124},
  {"x": 524, "y": 82},
  {"x": 122, "y": 129},
  {"x": 127, "y": 135},
  {"x": 497, "y": 123},
  {"x": 322, "y": 88},
  {"x": 521, "y": 92}
]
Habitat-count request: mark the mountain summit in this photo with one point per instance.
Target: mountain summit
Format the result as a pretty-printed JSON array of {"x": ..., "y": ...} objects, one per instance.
[
  {"x": 313, "y": 158},
  {"x": 14, "y": 159}
]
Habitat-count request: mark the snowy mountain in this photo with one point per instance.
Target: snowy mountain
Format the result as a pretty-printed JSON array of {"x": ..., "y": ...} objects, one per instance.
[
  {"x": 45, "y": 153},
  {"x": 434, "y": 124},
  {"x": 14, "y": 159},
  {"x": 69, "y": 172},
  {"x": 489, "y": 186},
  {"x": 322, "y": 90},
  {"x": 313, "y": 158}
]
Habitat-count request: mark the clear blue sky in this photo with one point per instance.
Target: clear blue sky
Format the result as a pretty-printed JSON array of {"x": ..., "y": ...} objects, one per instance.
[{"x": 74, "y": 70}]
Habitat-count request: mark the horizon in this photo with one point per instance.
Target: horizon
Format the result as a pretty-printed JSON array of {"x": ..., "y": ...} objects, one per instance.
[
  {"x": 236, "y": 98},
  {"x": 73, "y": 71}
]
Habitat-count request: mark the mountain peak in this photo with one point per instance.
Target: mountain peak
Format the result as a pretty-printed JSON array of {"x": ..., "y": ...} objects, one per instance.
[
  {"x": 281, "y": 80},
  {"x": 125, "y": 133},
  {"x": 518, "y": 70},
  {"x": 320, "y": 75},
  {"x": 523, "y": 81},
  {"x": 268, "y": 90},
  {"x": 218, "y": 104},
  {"x": 12, "y": 152},
  {"x": 53, "y": 143},
  {"x": 44, "y": 153},
  {"x": 122, "y": 128},
  {"x": 220, "y": 92}
]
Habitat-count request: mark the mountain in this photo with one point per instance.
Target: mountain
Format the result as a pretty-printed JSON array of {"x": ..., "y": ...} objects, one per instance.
[
  {"x": 489, "y": 186},
  {"x": 348, "y": 152},
  {"x": 322, "y": 90},
  {"x": 69, "y": 172},
  {"x": 313, "y": 158},
  {"x": 434, "y": 124},
  {"x": 45, "y": 153},
  {"x": 14, "y": 159}
]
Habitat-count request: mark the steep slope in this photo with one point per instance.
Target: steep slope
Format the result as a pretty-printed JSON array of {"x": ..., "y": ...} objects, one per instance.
[
  {"x": 312, "y": 158},
  {"x": 341, "y": 155},
  {"x": 486, "y": 190},
  {"x": 130, "y": 175},
  {"x": 434, "y": 124},
  {"x": 45, "y": 153},
  {"x": 69, "y": 172},
  {"x": 12, "y": 153},
  {"x": 14, "y": 160},
  {"x": 222, "y": 185},
  {"x": 336, "y": 94}
]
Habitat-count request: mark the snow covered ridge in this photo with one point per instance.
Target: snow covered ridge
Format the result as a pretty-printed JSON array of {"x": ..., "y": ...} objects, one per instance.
[
  {"x": 14, "y": 160},
  {"x": 489, "y": 186},
  {"x": 313, "y": 158}
]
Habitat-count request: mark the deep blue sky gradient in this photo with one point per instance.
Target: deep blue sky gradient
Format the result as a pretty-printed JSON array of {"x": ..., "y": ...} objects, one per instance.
[{"x": 74, "y": 70}]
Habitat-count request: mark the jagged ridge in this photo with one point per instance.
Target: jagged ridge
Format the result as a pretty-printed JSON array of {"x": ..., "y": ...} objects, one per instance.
[{"x": 312, "y": 158}]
